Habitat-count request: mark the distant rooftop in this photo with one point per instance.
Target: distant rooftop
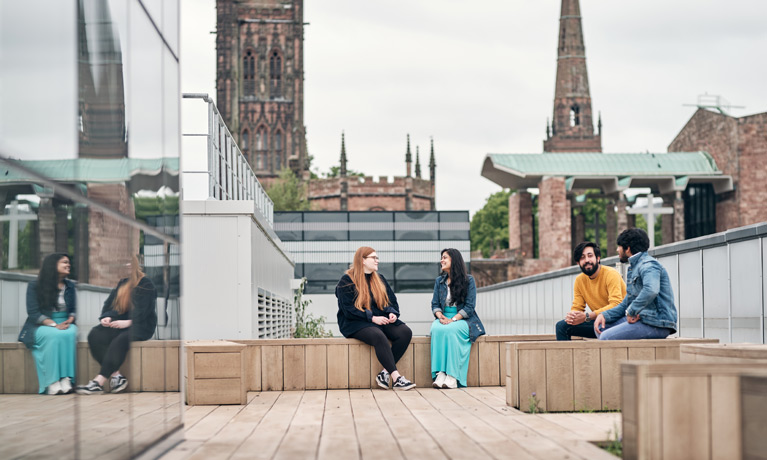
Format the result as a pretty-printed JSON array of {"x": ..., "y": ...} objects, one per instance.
[{"x": 611, "y": 172}]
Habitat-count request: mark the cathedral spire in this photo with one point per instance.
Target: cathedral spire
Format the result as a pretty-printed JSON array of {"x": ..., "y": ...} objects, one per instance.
[
  {"x": 432, "y": 177},
  {"x": 342, "y": 172},
  {"x": 572, "y": 125},
  {"x": 408, "y": 156},
  {"x": 417, "y": 163}
]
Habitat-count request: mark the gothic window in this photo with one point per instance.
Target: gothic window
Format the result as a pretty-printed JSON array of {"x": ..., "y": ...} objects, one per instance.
[
  {"x": 575, "y": 117},
  {"x": 261, "y": 138},
  {"x": 249, "y": 73},
  {"x": 275, "y": 74},
  {"x": 278, "y": 147},
  {"x": 699, "y": 210},
  {"x": 245, "y": 141}
]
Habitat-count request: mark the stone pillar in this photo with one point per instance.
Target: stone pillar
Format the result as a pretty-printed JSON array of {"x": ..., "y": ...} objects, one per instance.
[
  {"x": 3, "y": 202},
  {"x": 611, "y": 227},
  {"x": 111, "y": 243},
  {"x": 579, "y": 229},
  {"x": 622, "y": 215},
  {"x": 62, "y": 228},
  {"x": 554, "y": 222},
  {"x": 679, "y": 233},
  {"x": 80, "y": 221},
  {"x": 344, "y": 194},
  {"x": 46, "y": 225},
  {"x": 521, "y": 223}
]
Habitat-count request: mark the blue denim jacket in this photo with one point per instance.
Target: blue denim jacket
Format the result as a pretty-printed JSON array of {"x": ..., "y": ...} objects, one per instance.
[
  {"x": 466, "y": 310},
  {"x": 36, "y": 314},
  {"x": 648, "y": 294}
]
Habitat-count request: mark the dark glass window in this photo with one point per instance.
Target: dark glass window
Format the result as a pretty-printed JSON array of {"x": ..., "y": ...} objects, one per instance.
[
  {"x": 325, "y": 272},
  {"x": 699, "y": 210},
  {"x": 249, "y": 73},
  {"x": 325, "y": 226},
  {"x": 288, "y": 225},
  {"x": 416, "y": 226},
  {"x": 454, "y": 225},
  {"x": 275, "y": 74},
  {"x": 377, "y": 225},
  {"x": 416, "y": 271}
]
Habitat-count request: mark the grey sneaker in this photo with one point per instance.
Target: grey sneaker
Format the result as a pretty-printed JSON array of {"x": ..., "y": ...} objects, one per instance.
[
  {"x": 117, "y": 383},
  {"x": 403, "y": 384},
  {"x": 92, "y": 388},
  {"x": 383, "y": 379}
]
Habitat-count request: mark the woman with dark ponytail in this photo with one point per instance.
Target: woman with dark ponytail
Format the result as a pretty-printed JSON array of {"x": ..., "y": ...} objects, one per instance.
[
  {"x": 50, "y": 331},
  {"x": 129, "y": 314},
  {"x": 457, "y": 325}
]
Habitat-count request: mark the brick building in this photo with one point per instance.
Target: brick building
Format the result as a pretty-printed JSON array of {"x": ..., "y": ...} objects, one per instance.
[
  {"x": 260, "y": 81},
  {"x": 410, "y": 192}
]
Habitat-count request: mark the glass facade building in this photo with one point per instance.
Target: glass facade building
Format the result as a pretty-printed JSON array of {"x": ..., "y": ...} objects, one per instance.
[{"x": 408, "y": 244}]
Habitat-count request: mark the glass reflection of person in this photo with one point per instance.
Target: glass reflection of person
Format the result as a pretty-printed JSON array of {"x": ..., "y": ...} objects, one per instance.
[
  {"x": 368, "y": 311},
  {"x": 50, "y": 331},
  {"x": 129, "y": 314},
  {"x": 457, "y": 325}
]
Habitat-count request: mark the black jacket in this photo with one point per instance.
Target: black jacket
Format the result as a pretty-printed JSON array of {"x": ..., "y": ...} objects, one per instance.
[
  {"x": 351, "y": 320},
  {"x": 143, "y": 313}
]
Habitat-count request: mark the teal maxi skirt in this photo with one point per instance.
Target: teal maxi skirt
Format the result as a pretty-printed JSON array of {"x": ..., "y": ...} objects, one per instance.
[
  {"x": 55, "y": 352},
  {"x": 450, "y": 347}
]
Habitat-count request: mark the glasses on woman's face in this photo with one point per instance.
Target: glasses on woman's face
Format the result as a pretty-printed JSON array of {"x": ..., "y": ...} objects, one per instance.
[{"x": 373, "y": 257}]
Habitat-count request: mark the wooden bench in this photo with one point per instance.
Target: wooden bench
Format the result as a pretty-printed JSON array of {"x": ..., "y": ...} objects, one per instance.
[
  {"x": 150, "y": 366},
  {"x": 577, "y": 375},
  {"x": 724, "y": 353},
  {"x": 693, "y": 410},
  {"x": 215, "y": 372},
  {"x": 337, "y": 363}
]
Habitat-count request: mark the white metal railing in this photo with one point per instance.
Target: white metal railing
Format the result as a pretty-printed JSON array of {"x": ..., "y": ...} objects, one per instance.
[
  {"x": 718, "y": 280},
  {"x": 230, "y": 177}
]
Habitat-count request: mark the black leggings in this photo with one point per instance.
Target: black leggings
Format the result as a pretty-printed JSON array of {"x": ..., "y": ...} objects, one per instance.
[
  {"x": 399, "y": 335},
  {"x": 109, "y": 347}
]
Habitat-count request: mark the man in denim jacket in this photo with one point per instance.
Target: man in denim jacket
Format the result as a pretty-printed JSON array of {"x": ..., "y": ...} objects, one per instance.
[{"x": 647, "y": 311}]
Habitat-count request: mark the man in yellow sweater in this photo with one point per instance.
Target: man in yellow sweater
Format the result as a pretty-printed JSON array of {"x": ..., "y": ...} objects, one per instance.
[{"x": 601, "y": 288}]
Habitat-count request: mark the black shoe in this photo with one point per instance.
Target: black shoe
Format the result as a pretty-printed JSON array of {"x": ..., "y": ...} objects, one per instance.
[
  {"x": 92, "y": 388},
  {"x": 117, "y": 383},
  {"x": 403, "y": 384},
  {"x": 382, "y": 379}
]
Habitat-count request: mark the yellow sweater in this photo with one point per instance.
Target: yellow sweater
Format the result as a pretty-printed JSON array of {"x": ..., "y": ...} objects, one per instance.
[{"x": 602, "y": 293}]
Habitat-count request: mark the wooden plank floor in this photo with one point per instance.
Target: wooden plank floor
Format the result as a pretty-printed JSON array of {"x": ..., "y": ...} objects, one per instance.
[{"x": 377, "y": 424}]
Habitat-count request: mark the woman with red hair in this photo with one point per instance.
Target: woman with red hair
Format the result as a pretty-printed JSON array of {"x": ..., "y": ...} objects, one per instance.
[{"x": 368, "y": 311}]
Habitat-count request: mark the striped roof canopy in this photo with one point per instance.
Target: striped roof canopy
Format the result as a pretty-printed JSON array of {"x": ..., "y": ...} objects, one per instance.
[{"x": 610, "y": 172}]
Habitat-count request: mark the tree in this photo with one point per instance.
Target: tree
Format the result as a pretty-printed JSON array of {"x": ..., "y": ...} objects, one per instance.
[
  {"x": 288, "y": 193},
  {"x": 490, "y": 225},
  {"x": 335, "y": 171}
]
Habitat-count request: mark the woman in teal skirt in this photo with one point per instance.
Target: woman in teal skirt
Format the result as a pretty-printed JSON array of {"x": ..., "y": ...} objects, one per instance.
[
  {"x": 50, "y": 331},
  {"x": 457, "y": 325}
]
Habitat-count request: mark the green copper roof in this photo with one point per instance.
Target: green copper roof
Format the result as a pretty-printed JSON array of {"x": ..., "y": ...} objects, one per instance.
[
  {"x": 612, "y": 172},
  {"x": 612, "y": 164},
  {"x": 91, "y": 169}
]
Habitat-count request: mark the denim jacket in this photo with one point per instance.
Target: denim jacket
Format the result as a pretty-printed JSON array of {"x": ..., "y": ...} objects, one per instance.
[
  {"x": 648, "y": 294},
  {"x": 466, "y": 310},
  {"x": 37, "y": 314}
]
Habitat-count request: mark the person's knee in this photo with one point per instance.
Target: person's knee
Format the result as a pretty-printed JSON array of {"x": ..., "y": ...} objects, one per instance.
[
  {"x": 405, "y": 333},
  {"x": 561, "y": 330}
]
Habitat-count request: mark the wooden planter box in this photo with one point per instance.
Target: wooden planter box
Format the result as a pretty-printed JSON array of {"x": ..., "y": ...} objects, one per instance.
[
  {"x": 215, "y": 372},
  {"x": 152, "y": 365},
  {"x": 577, "y": 375},
  {"x": 339, "y": 363},
  {"x": 724, "y": 353},
  {"x": 689, "y": 410}
]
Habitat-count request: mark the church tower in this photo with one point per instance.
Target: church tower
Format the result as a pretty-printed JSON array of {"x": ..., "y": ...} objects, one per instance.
[
  {"x": 572, "y": 126},
  {"x": 260, "y": 81}
]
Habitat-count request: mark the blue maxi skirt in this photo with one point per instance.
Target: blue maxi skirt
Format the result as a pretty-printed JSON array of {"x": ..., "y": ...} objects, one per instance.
[
  {"x": 54, "y": 352},
  {"x": 450, "y": 347}
]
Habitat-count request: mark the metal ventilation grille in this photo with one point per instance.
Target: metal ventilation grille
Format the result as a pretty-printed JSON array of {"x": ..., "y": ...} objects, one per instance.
[{"x": 275, "y": 316}]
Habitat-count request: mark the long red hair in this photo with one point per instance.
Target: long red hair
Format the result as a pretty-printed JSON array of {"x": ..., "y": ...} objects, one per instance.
[
  {"x": 357, "y": 273},
  {"x": 124, "y": 298}
]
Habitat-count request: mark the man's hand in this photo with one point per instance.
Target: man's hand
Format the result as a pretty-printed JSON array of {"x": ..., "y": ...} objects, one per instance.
[
  {"x": 599, "y": 324},
  {"x": 380, "y": 320},
  {"x": 575, "y": 317},
  {"x": 632, "y": 319}
]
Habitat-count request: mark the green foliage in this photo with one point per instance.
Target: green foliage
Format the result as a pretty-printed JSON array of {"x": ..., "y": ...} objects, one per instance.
[
  {"x": 534, "y": 404},
  {"x": 155, "y": 206},
  {"x": 594, "y": 212},
  {"x": 307, "y": 326},
  {"x": 288, "y": 192},
  {"x": 490, "y": 225},
  {"x": 615, "y": 445},
  {"x": 335, "y": 171},
  {"x": 641, "y": 222}
]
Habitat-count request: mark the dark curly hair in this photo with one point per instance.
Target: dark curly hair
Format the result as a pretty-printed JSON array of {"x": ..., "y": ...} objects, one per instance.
[
  {"x": 48, "y": 281},
  {"x": 578, "y": 252},
  {"x": 634, "y": 238},
  {"x": 459, "y": 279}
]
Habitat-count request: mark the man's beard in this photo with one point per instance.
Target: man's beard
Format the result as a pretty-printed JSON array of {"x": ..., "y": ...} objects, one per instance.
[
  {"x": 624, "y": 259},
  {"x": 591, "y": 269}
]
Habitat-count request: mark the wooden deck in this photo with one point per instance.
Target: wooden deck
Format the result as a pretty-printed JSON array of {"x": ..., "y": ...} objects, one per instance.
[{"x": 423, "y": 423}]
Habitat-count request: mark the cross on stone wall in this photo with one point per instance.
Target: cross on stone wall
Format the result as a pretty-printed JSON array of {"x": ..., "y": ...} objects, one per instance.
[
  {"x": 649, "y": 212},
  {"x": 13, "y": 219}
]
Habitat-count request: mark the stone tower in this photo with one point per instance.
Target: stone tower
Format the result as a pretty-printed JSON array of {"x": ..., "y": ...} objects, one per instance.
[
  {"x": 572, "y": 126},
  {"x": 260, "y": 81}
]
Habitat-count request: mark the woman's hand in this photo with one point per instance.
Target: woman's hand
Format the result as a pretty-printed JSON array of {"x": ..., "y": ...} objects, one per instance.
[
  {"x": 120, "y": 324},
  {"x": 106, "y": 321},
  {"x": 445, "y": 320},
  {"x": 392, "y": 318},
  {"x": 63, "y": 326},
  {"x": 380, "y": 320}
]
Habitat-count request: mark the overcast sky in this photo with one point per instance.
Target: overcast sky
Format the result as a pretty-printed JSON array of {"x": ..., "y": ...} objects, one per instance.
[{"x": 479, "y": 76}]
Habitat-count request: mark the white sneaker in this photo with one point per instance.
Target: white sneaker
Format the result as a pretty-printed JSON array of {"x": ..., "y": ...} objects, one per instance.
[
  {"x": 439, "y": 380},
  {"x": 66, "y": 385},
  {"x": 450, "y": 382},
  {"x": 54, "y": 388}
]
